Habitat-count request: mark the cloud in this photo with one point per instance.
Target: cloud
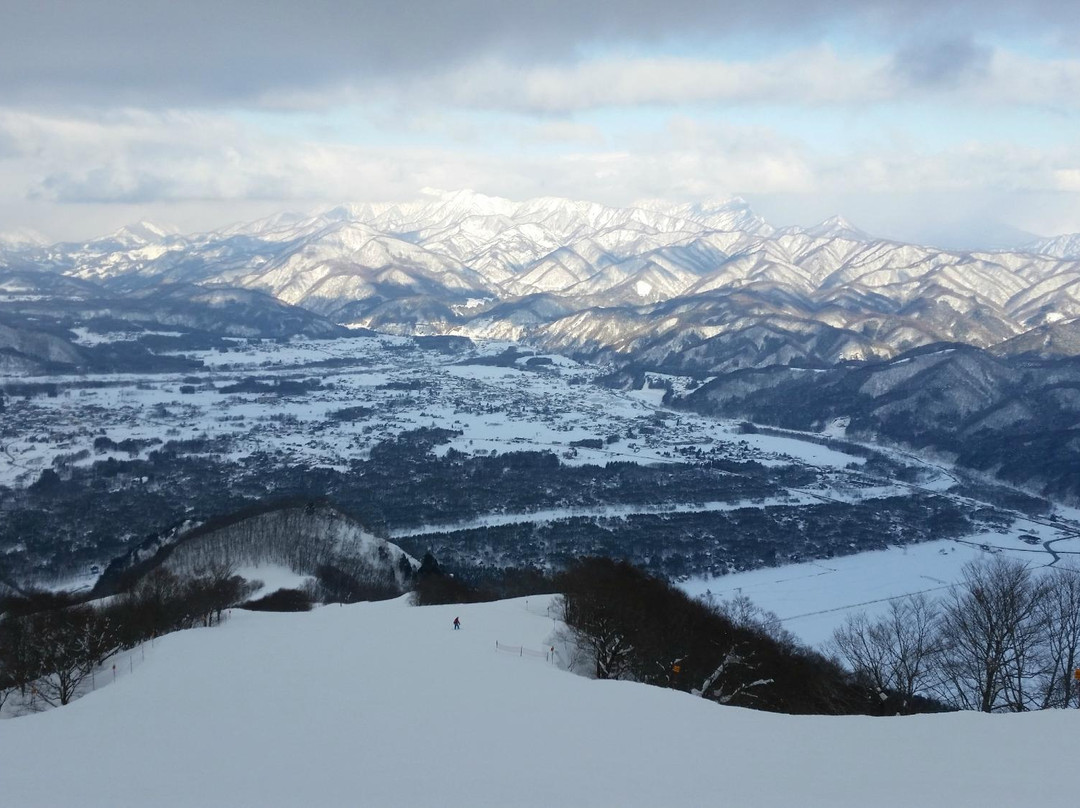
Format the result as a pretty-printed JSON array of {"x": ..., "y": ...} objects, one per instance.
[
  {"x": 215, "y": 170},
  {"x": 9, "y": 146},
  {"x": 563, "y": 132},
  {"x": 811, "y": 77},
  {"x": 207, "y": 52},
  {"x": 1013, "y": 78},
  {"x": 112, "y": 105},
  {"x": 144, "y": 157},
  {"x": 939, "y": 63},
  {"x": 184, "y": 160},
  {"x": 950, "y": 72},
  {"x": 1067, "y": 179},
  {"x": 133, "y": 156}
]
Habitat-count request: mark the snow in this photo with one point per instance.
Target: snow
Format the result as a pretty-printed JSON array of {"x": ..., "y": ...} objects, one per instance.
[
  {"x": 837, "y": 427},
  {"x": 487, "y": 249},
  {"x": 651, "y": 395},
  {"x": 84, "y": 336},
  {"x": 604, "y": 512},
  {"x": 273, "y": 578},
  {"x": 383, "y": 704},
  {"x": 793, "y": 449},
  {"x": 814, "y": 598}
]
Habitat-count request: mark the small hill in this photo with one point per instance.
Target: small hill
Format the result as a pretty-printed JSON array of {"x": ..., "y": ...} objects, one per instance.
[{"x": 307, "y": 539}]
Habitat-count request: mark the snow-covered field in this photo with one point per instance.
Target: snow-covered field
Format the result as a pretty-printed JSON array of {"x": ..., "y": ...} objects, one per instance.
[
  {"x": 814, "y": 598},
  {"x": 383, "y": 704},
  {"x": 273, "y": 577},
  {"x": 389, "y": 385},
  {"x": 497, "y": 409}
]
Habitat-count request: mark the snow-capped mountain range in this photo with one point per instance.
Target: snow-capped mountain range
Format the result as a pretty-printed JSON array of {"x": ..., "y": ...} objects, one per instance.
[
  {"x": 703, "y": 287},
  {"x": 1066, "y": 246}
]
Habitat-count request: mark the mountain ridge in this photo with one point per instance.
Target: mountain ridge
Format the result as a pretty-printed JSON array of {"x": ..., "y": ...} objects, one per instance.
[{"x": 463, "y": 263}]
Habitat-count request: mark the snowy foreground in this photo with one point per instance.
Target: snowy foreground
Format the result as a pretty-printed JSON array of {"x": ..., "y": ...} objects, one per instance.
[{"x": 383, "y": 704}]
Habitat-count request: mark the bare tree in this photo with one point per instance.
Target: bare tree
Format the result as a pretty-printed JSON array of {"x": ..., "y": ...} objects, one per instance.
[
  {"x": 862, "y": 645},
  {"x": 216, "y": 586},
  {"x": 7, "y": 686},
  {"x": 991, "y": 629},
  {"x": 1061, "y": 652},
  {"x": 895, "y": 652},
  {"x": 18, "y": 652},
  {"x": 156, "y": 603},
  {"x": 744, "y": 613},
  {"x": 71, "y": 644},
  {"x": 911, "y": 624}
]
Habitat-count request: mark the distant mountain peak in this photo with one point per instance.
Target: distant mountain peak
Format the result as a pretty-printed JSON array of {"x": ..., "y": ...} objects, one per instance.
[
  {"x": 837, "y": 227},
  {"x": 140, "y": 233},
  {"x": 21, "y": 238},
  {"x": 730, "y": 214},
  {"x": 705, "y": 207},
  {"x": 466, "y": 198},
  {"x": 1063, "y": 246}
]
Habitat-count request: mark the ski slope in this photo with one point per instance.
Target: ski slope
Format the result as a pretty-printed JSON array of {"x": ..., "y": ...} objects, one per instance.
[{"x": 384, "y": 705}]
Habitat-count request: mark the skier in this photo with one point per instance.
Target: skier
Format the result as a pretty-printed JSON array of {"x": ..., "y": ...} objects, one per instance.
[{"x": 457, "y": 624}]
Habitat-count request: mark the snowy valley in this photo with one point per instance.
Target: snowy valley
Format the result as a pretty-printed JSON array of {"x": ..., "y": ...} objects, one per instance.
[
  {"x": 487, "y": 454},
  {"x": 707, "y": 291}
]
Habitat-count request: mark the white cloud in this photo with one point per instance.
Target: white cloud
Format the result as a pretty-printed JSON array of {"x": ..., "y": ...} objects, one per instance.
[
  {"x": 562, "y": 131},
  {"x": 163, "y": 53},
  {"x": 1067, "y": 179},
  {"x": 129, "y": 159},
  {"x": 1018, "y": 79},
  {"x": 206, "y": 51},
  {"x": 816, "y": 76},
  {"x": 232, "y": 105},
  {"x": 939, "y": 73}
]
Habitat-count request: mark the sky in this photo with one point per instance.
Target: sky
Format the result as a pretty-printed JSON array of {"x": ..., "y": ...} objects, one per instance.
[{"x": 952, "y": 123}]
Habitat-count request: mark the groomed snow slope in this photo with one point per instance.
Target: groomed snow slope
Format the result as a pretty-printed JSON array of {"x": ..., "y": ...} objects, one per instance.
[{"x": 384, "y": 704}]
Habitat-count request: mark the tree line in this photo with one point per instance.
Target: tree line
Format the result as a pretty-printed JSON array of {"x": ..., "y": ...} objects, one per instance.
[
  {"x": 1004, "y": 639},
  {"x": 52, "y": 645},
  {"x": 622, "y": 623}
]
